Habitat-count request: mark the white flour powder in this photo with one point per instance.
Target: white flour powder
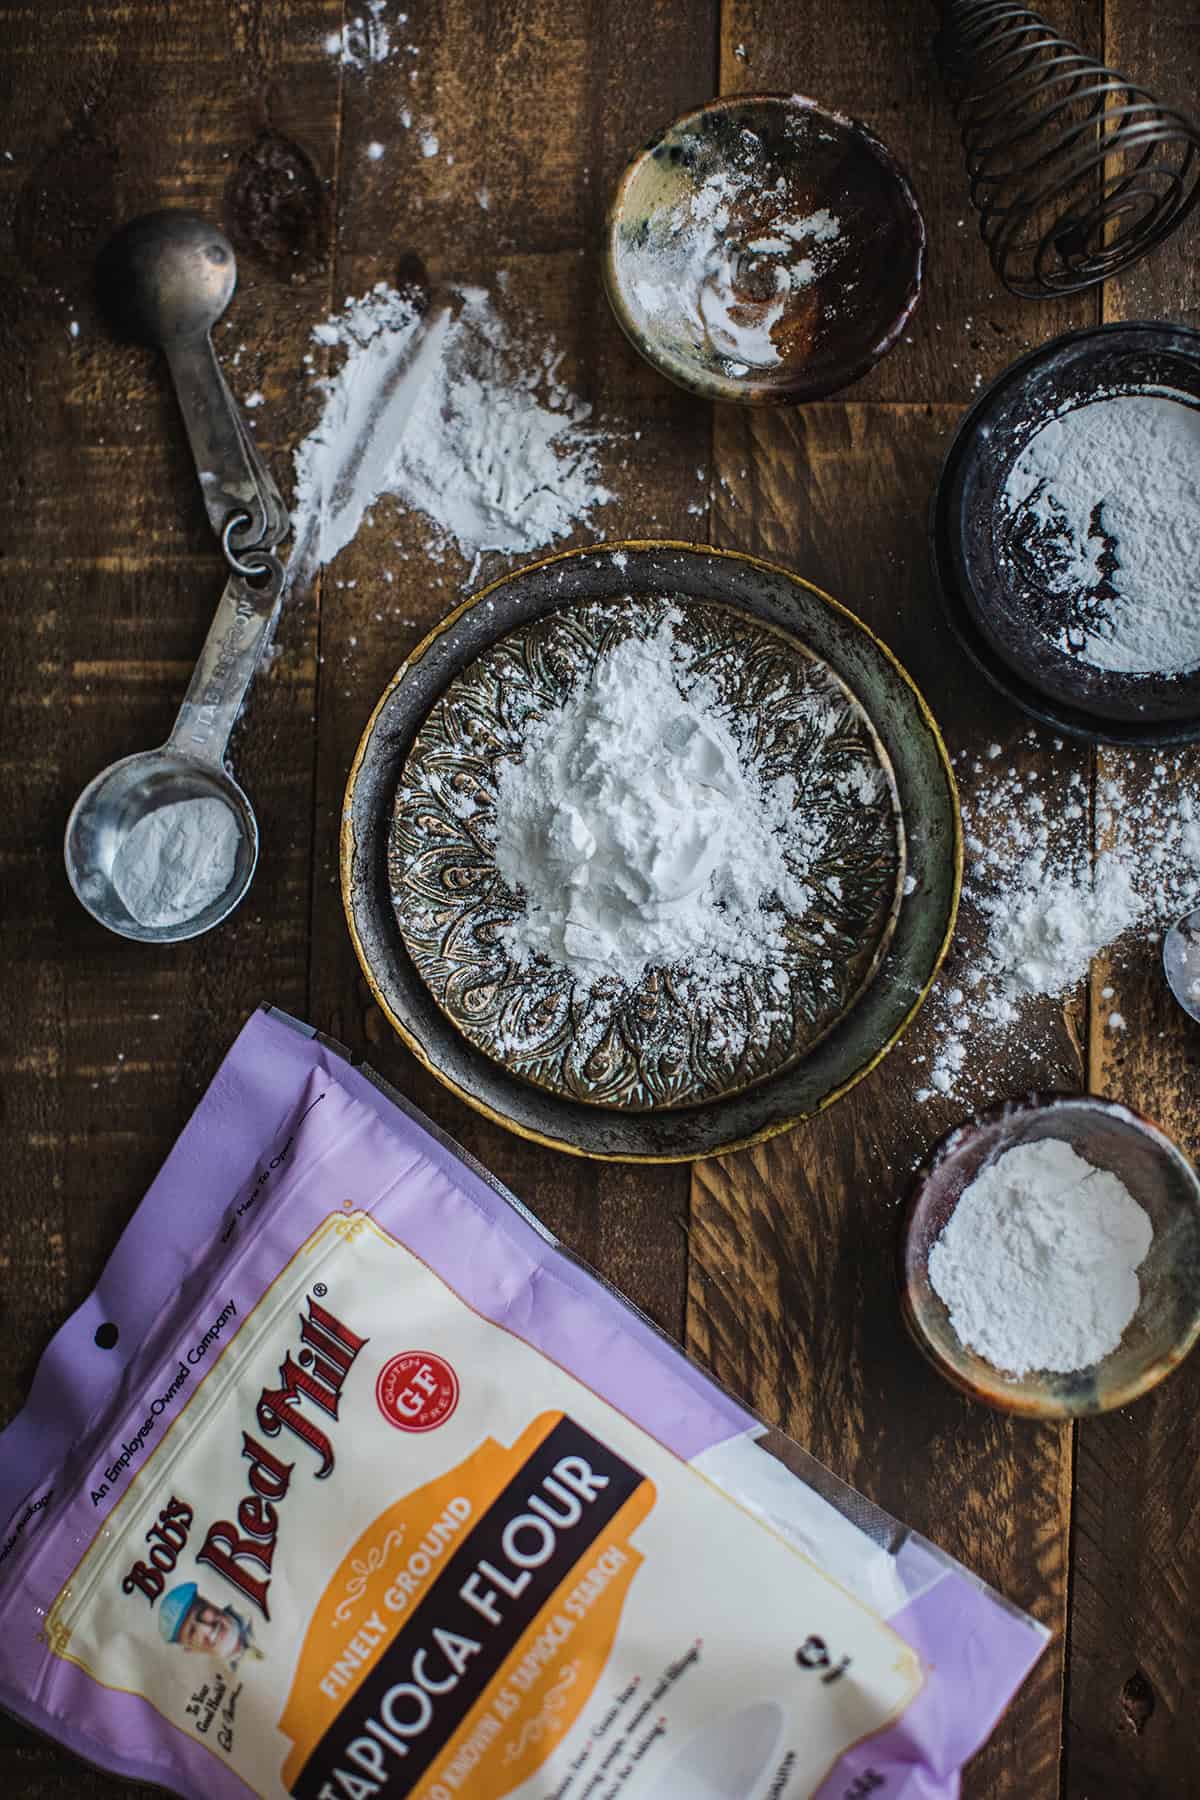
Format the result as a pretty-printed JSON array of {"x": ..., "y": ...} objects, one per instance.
[
  {"x": 176, "y": 861},
  {"x": 450, "y": 416},
  {"x": 1038, "y": 907},
  {"x": 1108, "y": 499},
  {"x": 639, "y": 832},
  {"x": 714, "y": 279},
  {"x": 1037, "y": 1264},
  {"x": 364, "y": 39}
]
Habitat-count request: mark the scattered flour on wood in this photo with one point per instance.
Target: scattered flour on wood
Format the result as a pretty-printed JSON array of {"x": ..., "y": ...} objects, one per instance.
[
  {"x": 363, "y": 40},
  {"x": 449, "y": 415},
  {"x": 1037, "y": 908},
  {"x": 1038, "y": 1261},
  {"x": 1105, "y": 501}
]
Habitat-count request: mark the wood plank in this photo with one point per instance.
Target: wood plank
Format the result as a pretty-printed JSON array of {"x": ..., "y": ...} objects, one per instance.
[
  {"x": 807, "y": 1223},
  {"x": 1134, "y": 1688},
  {"x": 108, "y": 584},
  {"x": 548, "y": 166}
]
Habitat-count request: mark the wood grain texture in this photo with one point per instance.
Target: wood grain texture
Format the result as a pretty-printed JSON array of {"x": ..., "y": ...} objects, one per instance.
[
  {"x": 108, "y": 580},
  {"x": 108, "y": 576},
  {"x": 807, "y": 1224},
  {"x": 1134, "y": 1686}
]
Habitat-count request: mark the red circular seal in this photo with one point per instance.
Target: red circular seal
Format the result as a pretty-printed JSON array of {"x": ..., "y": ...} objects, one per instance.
[{"x": 417, "y": 1390}]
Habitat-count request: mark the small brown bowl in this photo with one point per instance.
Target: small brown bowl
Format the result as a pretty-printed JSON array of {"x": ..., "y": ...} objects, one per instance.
[
  {"x": 764, "y": 250},
  {"x": 1159, "y": 1177}
]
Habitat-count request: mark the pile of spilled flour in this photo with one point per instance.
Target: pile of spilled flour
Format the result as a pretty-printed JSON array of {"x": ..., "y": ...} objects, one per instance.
[
  {"x": 642, "y": 834},
  {"x": 728, "y": 265},
  {"x": 1104, "y": 503},
  {"x": 1042, "y": 907},
  {"x": 446, "y": 413},
  {"x": 1038, "y": 1262}
]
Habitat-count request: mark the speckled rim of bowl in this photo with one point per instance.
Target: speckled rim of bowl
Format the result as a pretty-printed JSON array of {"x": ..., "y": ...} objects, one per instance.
[
  {"x": 356, "y": 878},
  {"x": 728, "y": 387},
  {"x": 1000, "y": 1394},
  {"x": 1062, "y": 717}
]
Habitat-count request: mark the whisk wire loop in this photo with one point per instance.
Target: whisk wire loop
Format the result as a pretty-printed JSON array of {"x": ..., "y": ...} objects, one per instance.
[{"x": 1075, "y": 170}]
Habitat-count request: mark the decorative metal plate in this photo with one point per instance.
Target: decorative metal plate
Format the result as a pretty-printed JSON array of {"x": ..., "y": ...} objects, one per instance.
[{"x": 661, "y": 1043}]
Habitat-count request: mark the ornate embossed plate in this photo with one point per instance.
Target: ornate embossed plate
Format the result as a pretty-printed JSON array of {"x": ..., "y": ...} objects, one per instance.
[
  {"x": 675, "y": 1038},
  {"x": 860, "y": 1039}
]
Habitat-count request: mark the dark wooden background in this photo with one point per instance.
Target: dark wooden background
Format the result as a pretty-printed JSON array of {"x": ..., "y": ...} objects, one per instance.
[{"x": 774, "y": 1267}]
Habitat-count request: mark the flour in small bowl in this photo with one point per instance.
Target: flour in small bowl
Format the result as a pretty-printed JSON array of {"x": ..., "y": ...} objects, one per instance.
[
  {"x": 725, "y": 267},
  {"x": 1037, "y": 1264},
  {"x": 1104, "y": 501}
]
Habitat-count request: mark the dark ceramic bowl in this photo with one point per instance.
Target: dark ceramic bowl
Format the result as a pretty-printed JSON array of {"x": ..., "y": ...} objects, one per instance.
[
  {"x": 928, "y": 802},
  {"x": 992, "y": 605},
  {"x": 761, "y": 300},
  {"x": 1159, "y": 1177}
]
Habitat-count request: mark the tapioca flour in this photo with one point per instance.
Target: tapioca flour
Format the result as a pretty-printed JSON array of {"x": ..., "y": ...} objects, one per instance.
[
  {"x": 448, "y": 414},
  {"x": 1111, "y": 495},
  {"x": 1039, "y": 904},
  {"x": 641, "y": 832},
  {"x": 1038, "y": 1261},
  {"x": 385, "y": 1494}
]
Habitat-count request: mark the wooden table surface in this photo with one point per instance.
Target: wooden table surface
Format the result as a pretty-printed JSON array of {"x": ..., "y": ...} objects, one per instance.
[{"x": 774, "y": 1267}]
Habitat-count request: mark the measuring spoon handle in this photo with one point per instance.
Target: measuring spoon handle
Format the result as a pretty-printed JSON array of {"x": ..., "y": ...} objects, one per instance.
[
  {"x": 224, "y": 671},
  {"x": 218, "y": 440}
]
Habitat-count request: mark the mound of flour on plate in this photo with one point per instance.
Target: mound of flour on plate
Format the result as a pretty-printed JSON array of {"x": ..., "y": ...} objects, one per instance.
[
  {"x": 1038, "y": 906},
  {"x": 448, "y": 414},
  {"x": 642, "y": 834},
  {"x": 1107, "y": 501}
]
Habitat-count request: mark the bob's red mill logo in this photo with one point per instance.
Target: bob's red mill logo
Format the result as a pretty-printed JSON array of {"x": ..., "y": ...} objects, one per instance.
[{"x": 242, "y": 1550}]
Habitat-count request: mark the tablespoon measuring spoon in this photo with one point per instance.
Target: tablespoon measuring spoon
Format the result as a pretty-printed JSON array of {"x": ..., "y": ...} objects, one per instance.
[
  {"x": 1181, "y": 962},
  {"x": 189, "y": 766},
  {"x": 170, "y": 276},
  {"x": 167, "y": 278}
]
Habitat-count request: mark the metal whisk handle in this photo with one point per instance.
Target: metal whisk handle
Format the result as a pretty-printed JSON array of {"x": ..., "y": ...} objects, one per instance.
[{"x": 1076, "y": 171}]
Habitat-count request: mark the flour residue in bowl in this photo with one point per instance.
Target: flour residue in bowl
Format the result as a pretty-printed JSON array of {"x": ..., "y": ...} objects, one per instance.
[
  {"x": 731, "y": 262},
  {"x": 1104, "y": 506}
]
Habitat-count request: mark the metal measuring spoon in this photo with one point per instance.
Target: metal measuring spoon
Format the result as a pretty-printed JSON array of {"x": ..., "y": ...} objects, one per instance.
[
  {"x": 169, "y": 277},
  {"x": 1181, "y": 962}
]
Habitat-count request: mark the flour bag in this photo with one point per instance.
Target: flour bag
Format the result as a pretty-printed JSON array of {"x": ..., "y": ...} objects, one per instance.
[{"x": 347, "y": 1481}]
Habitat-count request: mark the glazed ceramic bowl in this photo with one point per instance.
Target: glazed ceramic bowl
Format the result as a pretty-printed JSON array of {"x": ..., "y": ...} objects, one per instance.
[
  {"x": 1159, "y": 1177},
  {"x": 764, "y": 250},
  {"x": 991, "y": 600},
  {"x": 928, "y": 802}
]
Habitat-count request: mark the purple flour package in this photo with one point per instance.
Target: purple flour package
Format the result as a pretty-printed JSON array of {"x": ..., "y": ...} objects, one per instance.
[{"x": 347, "y": 1481}]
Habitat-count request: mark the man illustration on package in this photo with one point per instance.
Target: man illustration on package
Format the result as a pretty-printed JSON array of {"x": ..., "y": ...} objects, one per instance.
[{"x": 186, "y": 1618}]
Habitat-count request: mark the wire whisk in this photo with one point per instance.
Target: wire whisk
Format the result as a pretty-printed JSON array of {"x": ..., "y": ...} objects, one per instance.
[{"x": 1075, "y": 170}]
